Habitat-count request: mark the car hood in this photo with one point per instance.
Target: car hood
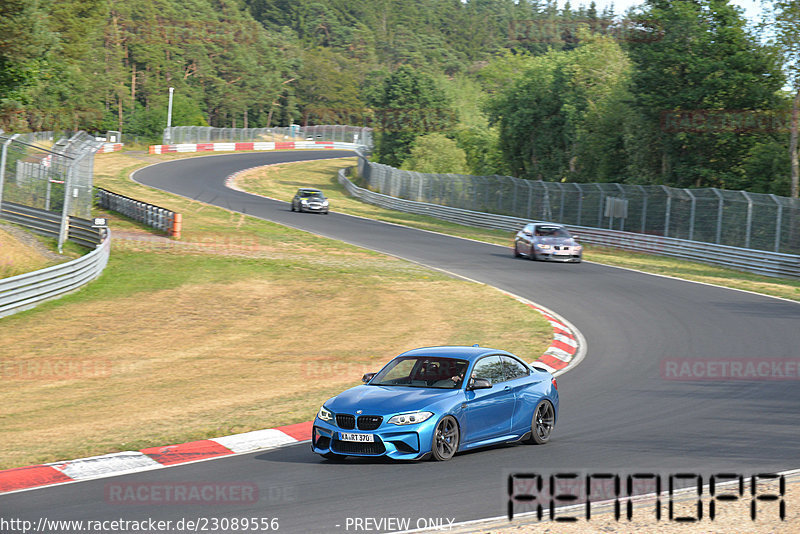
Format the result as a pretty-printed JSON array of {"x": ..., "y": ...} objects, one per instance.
[
  {"x": 567, "y": 241},
  {"x": 385, "y": 400}
]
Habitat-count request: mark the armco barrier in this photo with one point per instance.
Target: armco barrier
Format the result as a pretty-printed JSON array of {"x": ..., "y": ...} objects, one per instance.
[
  {"x": 153, "y": 216},
  {"x": 27, "y": 290},
  {"x": 249, "y": 146},
  {"x": 756, "y": 261},
  {"x": 47, "y": 223}
]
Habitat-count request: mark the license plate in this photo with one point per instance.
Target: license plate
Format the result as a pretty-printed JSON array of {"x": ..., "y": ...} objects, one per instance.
[
  {"x": 358, "y": 438},
  {"x": 563, "y": 252}
]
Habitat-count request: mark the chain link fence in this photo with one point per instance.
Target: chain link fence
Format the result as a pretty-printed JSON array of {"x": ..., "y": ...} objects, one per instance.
[
  {"x": 46, "y": 171},
  {"x": 719, "y": 216},
  {"x": 207, "y": 134}
]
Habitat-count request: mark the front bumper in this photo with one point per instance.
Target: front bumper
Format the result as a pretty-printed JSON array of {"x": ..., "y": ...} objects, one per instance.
[
  {"x": 559, "y": 255},
  {"x": 315, "y": 208},
  {"x": 410, "y": 442}
]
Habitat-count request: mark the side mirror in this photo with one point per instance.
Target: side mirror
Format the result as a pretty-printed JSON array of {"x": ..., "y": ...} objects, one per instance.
[
  {"x": 527, "y": 233},
  {"x": 367, "y": 377},
  {"x": 479, "y": 383}
]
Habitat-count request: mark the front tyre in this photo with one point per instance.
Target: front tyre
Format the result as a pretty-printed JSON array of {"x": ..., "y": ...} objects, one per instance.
[
  {"x": 445, "y": 439},
  {"x": 517, "y": 253},
  {"x": 544, "y": 419}
]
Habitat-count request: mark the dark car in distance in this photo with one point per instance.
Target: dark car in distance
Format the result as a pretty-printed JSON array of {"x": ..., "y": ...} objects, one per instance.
[
  {"x": 308, "y": 199},
  {"x": 547, "y": 241}
]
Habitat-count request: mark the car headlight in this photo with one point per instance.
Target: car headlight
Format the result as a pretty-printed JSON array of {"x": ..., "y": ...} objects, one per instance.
[
  {"x": 578, "y": 248},
  {"x": 410, "y": 418},
  {"x": 325, "y": 203},
  {"x": 542, "y": 246},
  {"x": 304, "y": 201},
  {"x": 325, "y": 414}
]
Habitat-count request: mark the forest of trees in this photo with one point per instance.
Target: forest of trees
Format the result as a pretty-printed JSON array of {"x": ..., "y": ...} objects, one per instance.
[{"x": 675, "y": 92}]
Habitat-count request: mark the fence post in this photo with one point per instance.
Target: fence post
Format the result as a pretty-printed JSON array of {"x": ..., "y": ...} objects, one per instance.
[
  {"x": 778, "y": 221},
  {"x": 720, "y": 207},
  {"x": 749, "y": 219},
  {"x": 691, "y": 214},
  {"x": 600, "y": 205},
  {"x": 624, "y": 196},
  {"x": 3, "y": 158},
  {"x": 63, "y": 232},
  {"x": 668, "y": 210}
]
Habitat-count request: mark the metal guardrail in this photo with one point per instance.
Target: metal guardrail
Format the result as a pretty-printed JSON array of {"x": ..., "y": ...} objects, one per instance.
[
  {"x": 709, "y": 215},
  {"x": 756, "y": 261},
  {"x": 149, "y": 214},
  {"x": 25, "y": 291},
  {"x": 47, "y": 223}
]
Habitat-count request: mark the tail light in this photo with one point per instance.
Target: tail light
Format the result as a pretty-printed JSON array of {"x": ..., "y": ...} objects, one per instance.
[{"x": 555, "y": 384}]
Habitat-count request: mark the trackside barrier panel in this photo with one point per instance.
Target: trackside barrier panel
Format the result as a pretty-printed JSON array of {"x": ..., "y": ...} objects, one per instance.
[
  {"x": 756, "y": 261},
  {"x": 153, "y": 216},
  {"x": 47, "y": 223},
  {"x": 25, "y": 291}
]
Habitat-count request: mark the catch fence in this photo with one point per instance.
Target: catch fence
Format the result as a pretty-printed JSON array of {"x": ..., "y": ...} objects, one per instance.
[
  {"x": 42, "y": 170},
  {"x": 718, "y": 216}
]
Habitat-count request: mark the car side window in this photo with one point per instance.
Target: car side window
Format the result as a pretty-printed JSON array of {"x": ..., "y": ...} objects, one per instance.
[
  {"x": 513, "y": 368},
  {"x": 489, "y": 368}
]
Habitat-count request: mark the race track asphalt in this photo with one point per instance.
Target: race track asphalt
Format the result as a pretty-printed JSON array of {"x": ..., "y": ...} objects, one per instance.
[{"x": 617, "y": 414}]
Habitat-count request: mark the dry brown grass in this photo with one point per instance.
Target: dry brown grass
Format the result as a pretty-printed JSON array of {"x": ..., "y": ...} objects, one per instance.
[
  {"x": 18, "y": 256},
  {"x": 211, "y": 359},
  {"x": 236, "y": 327}
]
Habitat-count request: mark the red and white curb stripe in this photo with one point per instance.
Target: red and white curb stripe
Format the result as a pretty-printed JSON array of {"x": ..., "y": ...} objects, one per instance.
[
  {"x": 565, "y": 351},
  {"x": 253, "y": 146},
  {"x": 121, "y": 463},
  {"x": 568, "y": 346}
]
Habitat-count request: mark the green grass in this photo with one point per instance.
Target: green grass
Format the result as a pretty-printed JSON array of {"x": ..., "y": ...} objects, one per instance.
[
  {"x": 241, "y": 324},
  {"x": 280, "y": 182}
]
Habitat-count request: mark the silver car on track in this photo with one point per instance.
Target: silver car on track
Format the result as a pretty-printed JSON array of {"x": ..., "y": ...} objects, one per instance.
[
  {"x": 547, "y": 241},
  {"x": 308, "y": 199}
]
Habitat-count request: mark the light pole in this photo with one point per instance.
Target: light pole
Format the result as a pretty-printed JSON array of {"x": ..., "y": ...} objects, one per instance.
[{"x": 169, "y": 118}]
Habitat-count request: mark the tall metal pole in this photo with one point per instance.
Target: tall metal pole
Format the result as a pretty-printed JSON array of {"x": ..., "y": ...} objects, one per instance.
[
  {"x": 3, "y": 164},
  {"x": 169, "y": 118}
]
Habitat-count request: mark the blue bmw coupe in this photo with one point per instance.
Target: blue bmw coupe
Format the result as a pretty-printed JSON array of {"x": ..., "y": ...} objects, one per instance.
[{"x": 436, "y": 401}]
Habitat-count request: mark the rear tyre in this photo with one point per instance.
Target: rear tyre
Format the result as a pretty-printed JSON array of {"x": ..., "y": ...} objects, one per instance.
[
  {"x": 544, "y": 419},
  {"x": 445, "y": 439}
]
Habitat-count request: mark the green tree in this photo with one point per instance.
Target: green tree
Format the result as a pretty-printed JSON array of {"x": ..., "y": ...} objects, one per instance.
[
  {"x": 563, "y": 119},
  {"x": 409, "y": 105},
  {"x": 786, "y": 29},
  {"x": 327, "y": 88},
  {"x": 704, "y": 59},
  {"x": 25, "y": 43},
  {"x": 436, "y": 153}
]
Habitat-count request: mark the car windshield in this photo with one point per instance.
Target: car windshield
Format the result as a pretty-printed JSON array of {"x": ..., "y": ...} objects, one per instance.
[
  {"x": 551, "y": 231},
  {"x": 422, "y": 372},
  {"x": 310, "y": 193}
]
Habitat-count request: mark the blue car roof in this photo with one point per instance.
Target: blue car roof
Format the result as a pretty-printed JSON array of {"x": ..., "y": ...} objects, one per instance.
[{"x": 464, "y": 353}]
